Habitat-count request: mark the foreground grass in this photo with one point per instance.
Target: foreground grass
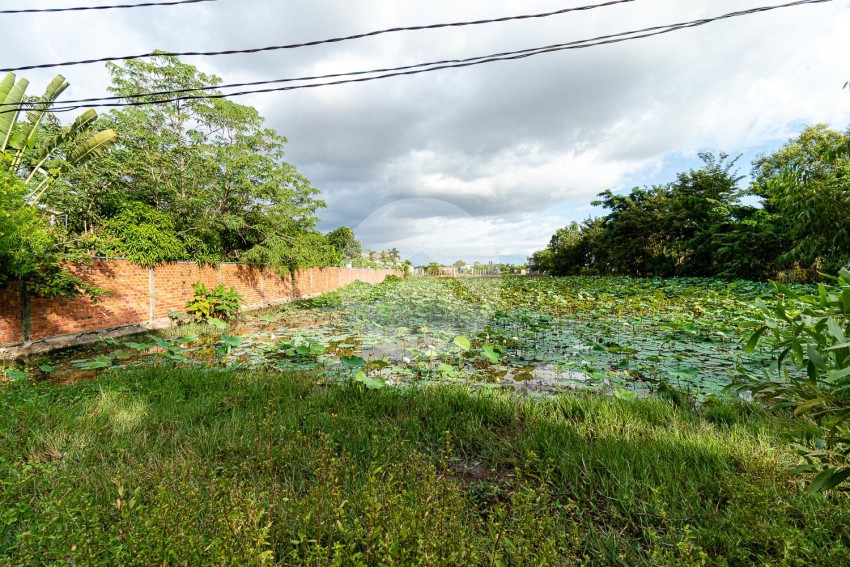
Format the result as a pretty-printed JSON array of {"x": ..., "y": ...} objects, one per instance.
[{"x": 204, "y": 466}]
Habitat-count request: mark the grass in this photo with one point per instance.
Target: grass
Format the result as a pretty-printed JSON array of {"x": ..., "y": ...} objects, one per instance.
[{"x": 211, "y": 466}]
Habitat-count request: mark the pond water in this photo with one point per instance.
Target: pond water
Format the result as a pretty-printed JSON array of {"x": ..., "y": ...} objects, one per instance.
[{"x": 535, "y": 335}]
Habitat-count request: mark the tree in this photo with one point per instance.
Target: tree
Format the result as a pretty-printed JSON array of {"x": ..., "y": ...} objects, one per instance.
[
  {"x": 210, "y": 166},
  {"x": 699, "y": 210},
  {"x": 631, "y": 239},
  {"x": 807, "y": 182},
  {"x": 143, "y": 234},
  {"x": 344, "y": 240},
  {"x": 33, "y": 153},
  {"x": 28, "y": 149},
  {"x": 541, "y": 261},
  {"x": 568, "y": 253}
]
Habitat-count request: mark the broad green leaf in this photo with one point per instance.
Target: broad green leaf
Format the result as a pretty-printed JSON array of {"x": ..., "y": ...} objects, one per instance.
[
  {"x": 232, "y": 340},
  {"x": 839, "y": 374},
  {"x": 16, "y": 374},
  {"x": 815, "y": 356},
  {"x": 353, "y": 361},
  {"x": 8, "y": 119},
  {"x": 462, "y": 343},
  {"x": 92, "y": 147},
  {"x": 835, "y": 330}
]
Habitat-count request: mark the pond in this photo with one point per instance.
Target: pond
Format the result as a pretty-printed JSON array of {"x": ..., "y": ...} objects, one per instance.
[{"x": 539, "y": 336}]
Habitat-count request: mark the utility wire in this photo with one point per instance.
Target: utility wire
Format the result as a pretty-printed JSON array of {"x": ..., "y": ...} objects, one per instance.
[
  {"x": 317, "y": 42},
  {"x": 112, "y": 7},
  {"x": 412, "y": 69}
]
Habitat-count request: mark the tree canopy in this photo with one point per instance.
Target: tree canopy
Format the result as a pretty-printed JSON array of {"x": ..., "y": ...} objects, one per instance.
[
  {"x": 202, "y": 180},
  {"x": 705, "y": 223}
]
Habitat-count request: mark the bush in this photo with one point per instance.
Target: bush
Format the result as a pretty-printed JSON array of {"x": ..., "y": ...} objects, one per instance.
[
  {"x": 143, "y": 235},
  {"x": 31, "y": 250},
  {"x": 220, "y": 303},
  {"x": 391, "y": 279},
  {"x": 811, "y": 334}
]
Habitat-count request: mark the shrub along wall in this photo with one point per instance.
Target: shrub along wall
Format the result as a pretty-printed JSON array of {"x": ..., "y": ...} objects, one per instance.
[{"x": 142, "y": 297}]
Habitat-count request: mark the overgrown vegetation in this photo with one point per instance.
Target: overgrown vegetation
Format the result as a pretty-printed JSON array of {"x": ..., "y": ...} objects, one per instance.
[
  {"x": 34, "y": 153},
  {"x": 198, "y": 180},
  {"x": 811, "y": 373},
  {"x": 236, "y": 467},
  {"x": 201, "y": 180},
  {"x": 623, "y": 336},
  {"x": 221, "y": 303},
  {"x": 700, "y": 224}
]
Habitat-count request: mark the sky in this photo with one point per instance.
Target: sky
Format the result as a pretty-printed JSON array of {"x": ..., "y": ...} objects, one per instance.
[{"x": 483, "y": 163}]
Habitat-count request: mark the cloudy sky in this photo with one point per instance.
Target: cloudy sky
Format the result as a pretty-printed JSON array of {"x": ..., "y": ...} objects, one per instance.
[{"x": 486, "y": 162}]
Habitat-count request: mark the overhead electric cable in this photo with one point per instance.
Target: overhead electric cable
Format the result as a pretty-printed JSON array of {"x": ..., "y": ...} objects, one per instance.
[
  {"x": 419, "y": 68},
  {"x": 316, "y": 42},
  {"x": 109, "y": 7}
]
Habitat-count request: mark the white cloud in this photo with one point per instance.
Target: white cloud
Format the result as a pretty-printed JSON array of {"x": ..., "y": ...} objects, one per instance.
[{"x": 504, "y": 142}]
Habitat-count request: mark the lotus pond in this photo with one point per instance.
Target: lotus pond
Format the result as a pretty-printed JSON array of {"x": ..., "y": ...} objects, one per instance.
[{"x": 540, "y": 336}]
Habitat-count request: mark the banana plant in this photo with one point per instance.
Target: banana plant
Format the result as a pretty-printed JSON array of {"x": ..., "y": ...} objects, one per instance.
[{"x": 18, "y": 141}]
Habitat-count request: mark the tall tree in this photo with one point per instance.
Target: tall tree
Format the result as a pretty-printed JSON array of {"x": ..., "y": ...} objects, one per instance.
[
  {"x": 344, "y": 240},
  {"x": 210, "y": 165},
  {"x": 699, "y": 211},
  {"x": 807, "y": 182}
]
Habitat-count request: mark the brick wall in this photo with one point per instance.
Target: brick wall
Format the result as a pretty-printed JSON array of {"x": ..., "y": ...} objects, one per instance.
[
  {"x": 131, "y": 303},
  {"x": 127, "y": 303},
  {"x": 11, "y": 330}
]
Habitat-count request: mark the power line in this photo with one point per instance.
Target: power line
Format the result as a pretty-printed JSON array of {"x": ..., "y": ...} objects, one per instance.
[
  {"x": 112, "y": 7},
  {"x": 316, "y": 42},
  {"x": 419, "y": 68}
]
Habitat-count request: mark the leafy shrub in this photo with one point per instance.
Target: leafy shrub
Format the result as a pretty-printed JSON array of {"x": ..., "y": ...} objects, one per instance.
[
  {"x": 219, "y": 303},
  {"x": 811, "y": 334},
  {"x": 143, "y": 235},
  {"x": 392, "y": 279},
  {"x": 33, "y": 251}
]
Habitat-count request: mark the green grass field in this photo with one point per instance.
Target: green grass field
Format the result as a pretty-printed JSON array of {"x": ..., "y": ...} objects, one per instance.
[{"x": 204, "y": 466}]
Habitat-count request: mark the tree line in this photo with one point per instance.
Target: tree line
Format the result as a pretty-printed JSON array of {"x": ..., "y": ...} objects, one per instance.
[
  {"x": 789, "y": 222},
  {"x": 200, "y": 180}
]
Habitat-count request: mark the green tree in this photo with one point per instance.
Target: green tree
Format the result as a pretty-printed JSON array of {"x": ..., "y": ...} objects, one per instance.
[
  {"x": 699, "y": 210},
  {"x": 345, "y": 241},
  {"x": 33, "y": 153},
  {"x": 807, "y": 182},
  {"x": 141, "y": 234},
  {"x": 632, "y": 238},
  {"x": 210, "y": 166},
  {"x": 568, "y": 252}
]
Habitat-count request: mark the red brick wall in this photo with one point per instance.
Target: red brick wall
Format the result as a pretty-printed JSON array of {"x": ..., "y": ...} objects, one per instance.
[
  {"x": 11, "y": 331},
  {"x": 129, "y": 302},
  {"x": 173, "y": 286},
  {"x": 245, "y": 280}
]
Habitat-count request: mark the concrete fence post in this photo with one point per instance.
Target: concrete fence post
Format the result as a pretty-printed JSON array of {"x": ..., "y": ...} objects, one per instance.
[
  {"x": 26, "y": 315},
  {"x": 152, "y": 294}
]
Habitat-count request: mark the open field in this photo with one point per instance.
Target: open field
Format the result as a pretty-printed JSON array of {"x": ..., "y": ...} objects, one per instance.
[{"x": 248, "y": 467}]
